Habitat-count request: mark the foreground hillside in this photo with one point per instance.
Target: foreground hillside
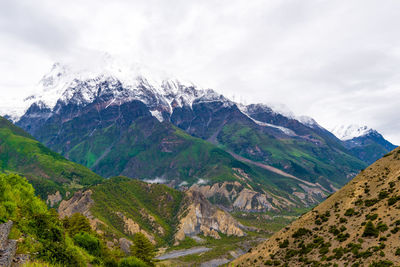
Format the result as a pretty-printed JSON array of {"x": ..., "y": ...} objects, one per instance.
[
  {"x": 47, "y": 171},
  {"x": 357, "y": 226}
]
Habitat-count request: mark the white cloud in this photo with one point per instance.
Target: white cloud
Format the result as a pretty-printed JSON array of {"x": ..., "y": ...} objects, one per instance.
[
  {"x": 201, "y": 181},
  {"x": 336, "y": 61},
  {"x": 156, "y": 180}
]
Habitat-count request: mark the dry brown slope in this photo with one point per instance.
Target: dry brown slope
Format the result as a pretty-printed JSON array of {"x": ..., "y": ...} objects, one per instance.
[{"x": 335, "y": 231}]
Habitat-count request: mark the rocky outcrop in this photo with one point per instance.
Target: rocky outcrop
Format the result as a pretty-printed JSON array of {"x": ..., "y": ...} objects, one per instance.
[
  {"x": 235, "y": 196},
  {"x": 125, "y": 245},
  {"x": 52, "y": 200},
  {"x": 131, "y": 227},
  {"x": 7, "y": 247},
  {"x": 80, "y": 202},
  {"x": 199, "y": 216}
]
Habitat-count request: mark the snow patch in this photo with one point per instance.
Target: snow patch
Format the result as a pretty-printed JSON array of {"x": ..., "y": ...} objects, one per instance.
[
  {"x": 308, "y": 121},
  {"x": 282, "y": 129},
  {"x": 157, "y": 114}
]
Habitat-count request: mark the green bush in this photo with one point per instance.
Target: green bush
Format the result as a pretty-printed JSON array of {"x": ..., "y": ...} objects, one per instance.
[
  {"x": 384, "y": 263},
  {"x": 284, "y": 244},
  {"x": 382, "y": 227},
  {"x": 300, "y": 232},
  {"x": 393, "y": 200},
  {"x": 143, "y": 249},
  {"x": 371, "y": 202},
  {"x": 88, "y": 242},
  {"x": 43, "y": 235},
  {"x": 383, "y": 194},
  {"x": 349, "y": 212},
  {"x": 371, "y": 216},
  {"x": 77, "y": 223},
  {"x": 132, "y": 262},
  {"x": 370, "y": 230}
]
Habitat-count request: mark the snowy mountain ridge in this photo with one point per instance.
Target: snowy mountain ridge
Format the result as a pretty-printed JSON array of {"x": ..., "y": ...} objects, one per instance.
[
  {"x": 348, "y": 132},
  {"x": 117, "y": 82}
]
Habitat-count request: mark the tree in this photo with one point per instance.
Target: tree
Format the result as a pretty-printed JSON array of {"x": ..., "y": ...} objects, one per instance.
[
  {"x": 143, "y": 249},
  {"x": 370, "y": 230},
  {"x": 77, "y": 223}
]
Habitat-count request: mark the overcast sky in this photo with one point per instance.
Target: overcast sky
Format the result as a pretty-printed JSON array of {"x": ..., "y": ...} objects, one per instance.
[{"x": 336, "y": 61}]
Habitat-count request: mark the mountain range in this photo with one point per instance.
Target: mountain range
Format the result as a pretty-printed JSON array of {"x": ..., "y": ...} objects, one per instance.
[{"x": 117, "y": 121}]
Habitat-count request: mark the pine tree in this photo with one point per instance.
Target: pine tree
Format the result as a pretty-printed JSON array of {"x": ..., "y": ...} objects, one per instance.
[
  {"x": 370, "y": 230},
  {"x": 143, "y": 249}
]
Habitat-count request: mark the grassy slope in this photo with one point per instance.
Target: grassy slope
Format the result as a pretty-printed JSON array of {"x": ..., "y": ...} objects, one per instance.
[
  {"x": 134, "y": 198},
  {"x": 46, "y": 170},
  {"x": 301, "y": 158},
  {"x": 150, "y": 149},
  {"x": 334, "y": 232}
]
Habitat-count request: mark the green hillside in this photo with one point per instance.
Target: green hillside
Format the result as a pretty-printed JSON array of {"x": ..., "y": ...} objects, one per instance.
[
  {"x": 314, "y": 159},
  {"x": 46, "y": 170},
  {"x": 148, "y": 149},
  {"x": 150, "y": 205}
]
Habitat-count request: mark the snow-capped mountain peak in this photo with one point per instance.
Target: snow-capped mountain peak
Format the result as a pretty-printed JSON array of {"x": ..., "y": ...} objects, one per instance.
[
  {"x": 348, "y": 132},
  {"x": 116, "y": 81}
]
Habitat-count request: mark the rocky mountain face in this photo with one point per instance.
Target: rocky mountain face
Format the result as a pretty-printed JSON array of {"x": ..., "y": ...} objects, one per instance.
[
  {"x": 234, "y": 196},
  {"x": 356, "y": 226},
  {"x": 199, "y": 216},
  {"x": 122, "y": 207},
  {"x": 365, "y": 143}
]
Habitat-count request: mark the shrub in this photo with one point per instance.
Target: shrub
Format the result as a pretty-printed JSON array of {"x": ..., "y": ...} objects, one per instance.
[
  {"x": 132, "y": 262},
  {"x": 338, "y": 252},
  {"x": 383, "y": 194},
  {"x": 371, "y": 202},
  {"x": 284, "y": 244},
  {"x": 384, "y": 263},
  {"x": 300, "y": 232},
  {"x": 349, "y": 212},
  {"x": 371, "y": 216},
  {"x": 370, "y": 230},
  {"x": 333, "y": 229},
  {"x": 77, "y": 223},
  {"x": 382, "y": 227},
  {"x": 342, "y": 237},
  {"x": 88, "y": 242},
  {"x": 393, "y": 200},
  {"x": 143, "y": 249}
]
